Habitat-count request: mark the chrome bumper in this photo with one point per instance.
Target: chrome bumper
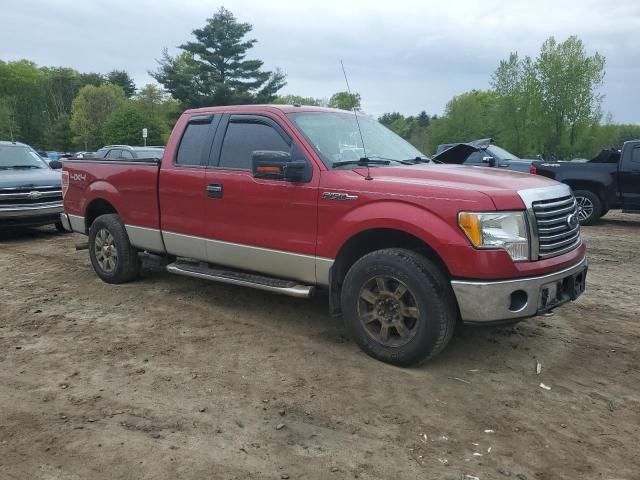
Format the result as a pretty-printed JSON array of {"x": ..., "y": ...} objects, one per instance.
[
  {"x": 33, "y": 210},
  {"x": 64, "y": 220},
  {"x": 72, "y": 223},
  {"x": 486, "y": 302}
]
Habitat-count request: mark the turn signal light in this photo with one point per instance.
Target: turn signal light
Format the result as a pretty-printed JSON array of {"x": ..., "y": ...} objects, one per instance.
[{"x": 470, "y": 223}]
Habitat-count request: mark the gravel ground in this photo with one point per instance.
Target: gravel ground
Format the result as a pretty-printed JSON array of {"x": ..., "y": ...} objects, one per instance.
[{"x": 171, "y": 377}]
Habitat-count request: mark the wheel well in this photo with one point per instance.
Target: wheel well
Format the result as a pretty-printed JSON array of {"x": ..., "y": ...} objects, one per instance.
[
  {"x": 593, "y": 187},
  {"x": 369, "y": 241},
  {"x": 95, "y": 209}
]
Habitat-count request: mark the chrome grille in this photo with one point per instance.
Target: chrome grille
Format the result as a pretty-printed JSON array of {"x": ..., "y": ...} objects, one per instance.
[
  {"x": 556, "y": 235},
  {"x": 16, "y": 197}
]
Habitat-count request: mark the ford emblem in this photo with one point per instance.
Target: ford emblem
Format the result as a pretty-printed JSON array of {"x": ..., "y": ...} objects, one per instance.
[{"x": 572, "y": 221}]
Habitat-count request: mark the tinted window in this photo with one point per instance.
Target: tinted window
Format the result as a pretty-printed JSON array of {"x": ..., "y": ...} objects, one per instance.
[
  {"x": 475, "y": 158},
  {"x": 635, "y": 155},
  {"x": 242, "y": 139},
  {"x": 126, "y": 154},
  {"x": 190, "y": 149},
  {"x": 114, "y": 153}
]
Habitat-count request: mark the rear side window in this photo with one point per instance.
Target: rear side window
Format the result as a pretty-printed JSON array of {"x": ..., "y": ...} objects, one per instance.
[
  {"x": 242, "y": 139},
  {"x": 190, "y": 149},
  {"x": 127, "y": 155},
  {"x": 635, "y": 155}
]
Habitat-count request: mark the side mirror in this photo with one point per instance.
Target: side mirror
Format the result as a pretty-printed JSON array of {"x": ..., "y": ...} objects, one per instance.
[
  {"x": 277, "y": 165},
  {"x": 55, "y": 164},
  {"x": 490, "y": 160}
]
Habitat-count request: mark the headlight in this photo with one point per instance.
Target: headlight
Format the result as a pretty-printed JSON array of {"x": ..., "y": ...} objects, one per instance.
[{"x": 506, "y": 230}]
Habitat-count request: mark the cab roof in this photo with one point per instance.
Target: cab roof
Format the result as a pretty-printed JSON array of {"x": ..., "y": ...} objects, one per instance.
[{"x": 265, "y": 108}]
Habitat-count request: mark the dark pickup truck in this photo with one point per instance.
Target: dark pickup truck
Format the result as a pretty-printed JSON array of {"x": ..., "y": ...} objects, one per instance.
[{"x": 600, "y": 185}]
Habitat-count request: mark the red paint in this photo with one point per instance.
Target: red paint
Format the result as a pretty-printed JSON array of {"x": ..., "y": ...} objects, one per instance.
[{"x": 422, "y": 200}]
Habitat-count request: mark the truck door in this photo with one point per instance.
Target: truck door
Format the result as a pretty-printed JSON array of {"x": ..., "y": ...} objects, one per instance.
[
  {"x": 256, "y": 224},
  {"x": 181, "y": 189},
  {"x": 629, "y": 177}
]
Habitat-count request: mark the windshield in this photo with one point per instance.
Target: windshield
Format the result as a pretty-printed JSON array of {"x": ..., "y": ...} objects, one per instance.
[
  {"x": 18, "y": 156},
  {"x": 335, "y": 137},
  {"x": 500, "y": 153}
]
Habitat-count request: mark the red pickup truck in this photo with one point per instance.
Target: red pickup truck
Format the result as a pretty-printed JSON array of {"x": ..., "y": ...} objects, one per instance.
[{"x": 289, "y": 199}]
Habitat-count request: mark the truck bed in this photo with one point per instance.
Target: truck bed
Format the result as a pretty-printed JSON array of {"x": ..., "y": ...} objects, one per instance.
[{"x": 130, "y": 186}]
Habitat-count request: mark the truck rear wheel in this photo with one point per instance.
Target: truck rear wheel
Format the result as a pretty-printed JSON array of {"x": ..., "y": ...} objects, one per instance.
[
  {"x": 398, "y": 306},
  {"x": 112, "y": 256},
  {"x": 589, "y": 207}
]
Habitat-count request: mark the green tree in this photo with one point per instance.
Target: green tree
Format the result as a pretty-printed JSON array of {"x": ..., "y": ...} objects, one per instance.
[
  {"x": 92, "y": 78},
  {"x": 156, "y": 105},
  {"x": 345, "y": 101},
  {"x": 58, "y": 136},
  {"x": 122, "y": 79},
  {"x": 569, "y": 82},
  {"x": 518, "y": 109},
  {"x": 9, "y": 128},
  {"x": 125, "y": 127},
  {"x": 467, "y": 117},
  {"x": 22, "y": 86},
  {"x": 90, "y": 111},
  {"x": 388, "y": 118},
  {"x": 298, "y": 100},
  {"x": 213, "y": 69}
]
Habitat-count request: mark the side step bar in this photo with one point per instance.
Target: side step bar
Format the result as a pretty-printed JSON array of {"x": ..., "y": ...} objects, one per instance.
[{"x": 260, "y": 282}]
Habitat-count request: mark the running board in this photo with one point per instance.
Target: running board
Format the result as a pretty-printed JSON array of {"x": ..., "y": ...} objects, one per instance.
[{"x": 234, "y": 277}]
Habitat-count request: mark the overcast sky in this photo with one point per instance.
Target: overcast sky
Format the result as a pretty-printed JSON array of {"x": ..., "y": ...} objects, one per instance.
[{"x": 400, "y": 55}]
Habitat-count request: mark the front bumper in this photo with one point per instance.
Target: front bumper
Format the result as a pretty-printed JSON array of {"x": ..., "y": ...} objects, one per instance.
[
  {"x": 492, "y": 302},
  {"x": 31, "y": 215}
]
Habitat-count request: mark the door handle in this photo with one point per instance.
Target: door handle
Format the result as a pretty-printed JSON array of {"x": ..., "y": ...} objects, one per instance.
[{"x": 214, "y": 190}]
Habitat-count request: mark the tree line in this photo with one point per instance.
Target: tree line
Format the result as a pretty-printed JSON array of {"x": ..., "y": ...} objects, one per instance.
[{"x": 547, "y": 105}]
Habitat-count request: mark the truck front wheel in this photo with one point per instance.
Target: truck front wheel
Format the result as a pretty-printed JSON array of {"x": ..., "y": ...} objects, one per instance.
[
  {"x": 589, "y": 207},
  {"x": 112, "y": 256},
  {"x": 398, "y": 306}
]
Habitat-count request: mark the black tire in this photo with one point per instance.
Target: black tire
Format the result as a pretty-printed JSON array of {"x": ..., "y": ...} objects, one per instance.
[
  {"x": 125, "y": 263},
  {"x": 593, "y": 207},
  {"x": 427, "y": 289},
  {"x": 60, "y": 228}
]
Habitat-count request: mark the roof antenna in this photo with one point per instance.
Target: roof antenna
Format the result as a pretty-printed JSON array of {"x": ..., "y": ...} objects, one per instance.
[{"x": 364, "y": 149}]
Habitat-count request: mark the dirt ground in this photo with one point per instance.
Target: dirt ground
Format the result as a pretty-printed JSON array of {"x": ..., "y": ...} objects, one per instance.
[{"x": 177, "y": 378}]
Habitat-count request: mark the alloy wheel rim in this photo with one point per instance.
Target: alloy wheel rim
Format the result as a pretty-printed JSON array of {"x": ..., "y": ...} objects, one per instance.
[
  {"x": 585, "y": 208},
  {"x": 105, "y": 250},
  {"x": 388, "y": 311}
]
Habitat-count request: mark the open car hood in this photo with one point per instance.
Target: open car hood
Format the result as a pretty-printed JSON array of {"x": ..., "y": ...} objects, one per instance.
[{"x": 457, "y": 154}]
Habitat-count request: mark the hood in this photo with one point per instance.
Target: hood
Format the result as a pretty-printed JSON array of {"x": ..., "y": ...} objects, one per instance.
[
  {"x": 455, "y": 155},
  {"x": 29, "y": 178},
  {"x": 501, "y": 186}
]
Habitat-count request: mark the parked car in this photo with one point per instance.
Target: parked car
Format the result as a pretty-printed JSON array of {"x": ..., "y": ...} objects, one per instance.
[
  {"x": 30, "y": 188},
  {"x": 611, "y": 180},
  {"x": 280, "y": 198},
  {"x": 484, "y": 153},
  {"x": 125, "y": 152}
]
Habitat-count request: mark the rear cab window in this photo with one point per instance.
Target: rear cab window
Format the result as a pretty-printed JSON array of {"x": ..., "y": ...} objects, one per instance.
[{"x": 196, "y": 141}]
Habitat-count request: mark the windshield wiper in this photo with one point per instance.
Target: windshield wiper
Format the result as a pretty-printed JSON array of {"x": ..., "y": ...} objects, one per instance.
[
  {"x": 21, "y": 166},
  {"x": 364, "y": 161},
  {"x": 413, "y": 161}
]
